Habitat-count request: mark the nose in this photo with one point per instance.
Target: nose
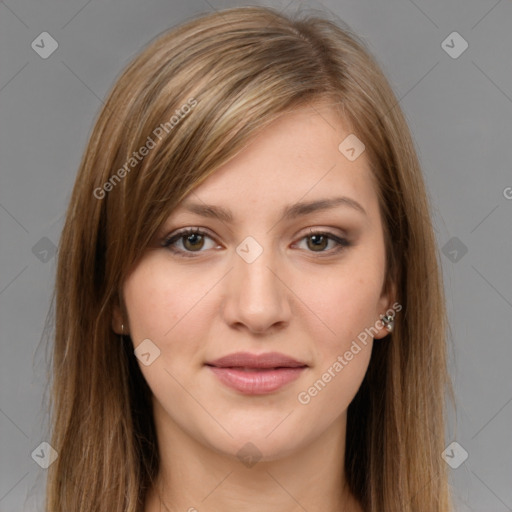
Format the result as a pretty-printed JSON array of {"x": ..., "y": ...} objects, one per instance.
[{"x": 257, "y": 295}]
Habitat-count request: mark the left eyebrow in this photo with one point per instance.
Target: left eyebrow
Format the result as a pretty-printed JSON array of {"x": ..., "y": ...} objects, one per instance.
[
  {"x": 304, "y": 208},
  {"x": 289, "y": 212}
]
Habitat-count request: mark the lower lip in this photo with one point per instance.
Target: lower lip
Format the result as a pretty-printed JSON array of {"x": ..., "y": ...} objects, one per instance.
[{"x": 256, "y": 382}]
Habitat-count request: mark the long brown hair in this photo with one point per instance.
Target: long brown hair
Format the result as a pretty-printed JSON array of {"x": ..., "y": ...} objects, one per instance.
[{"x": 194, "y": 98}]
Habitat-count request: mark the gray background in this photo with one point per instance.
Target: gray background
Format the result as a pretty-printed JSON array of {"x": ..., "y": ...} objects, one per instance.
[{"x": 460, "y": 113}]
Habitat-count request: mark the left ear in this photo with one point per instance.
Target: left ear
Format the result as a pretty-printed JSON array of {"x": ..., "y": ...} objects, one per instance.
[
  {"x": 387, "y": 306},
  {"x": 118, "y": 317}
]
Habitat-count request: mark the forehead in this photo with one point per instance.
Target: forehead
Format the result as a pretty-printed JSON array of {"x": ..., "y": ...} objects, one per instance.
[{"x": 297, "y": 158}]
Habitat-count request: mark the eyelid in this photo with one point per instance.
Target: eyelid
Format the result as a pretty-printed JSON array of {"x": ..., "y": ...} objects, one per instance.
[
  {"x": 177, "y": 234},
  {"x": 342, "y": 241},
  {"x": 190, "y": 229}
]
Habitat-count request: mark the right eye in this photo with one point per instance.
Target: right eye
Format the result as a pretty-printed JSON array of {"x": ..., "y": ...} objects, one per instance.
[{"x": 191, "y": 240}]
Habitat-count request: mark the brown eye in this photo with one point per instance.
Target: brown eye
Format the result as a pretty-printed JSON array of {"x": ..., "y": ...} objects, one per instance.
[
  {"x": 319, "y": 242},
  {"x": 193, "y": 241},
  {"x": 188, "y": 241}
]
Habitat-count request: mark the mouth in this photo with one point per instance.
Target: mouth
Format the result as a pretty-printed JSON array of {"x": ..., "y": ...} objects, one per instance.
[{"x": 256, "y": 374}]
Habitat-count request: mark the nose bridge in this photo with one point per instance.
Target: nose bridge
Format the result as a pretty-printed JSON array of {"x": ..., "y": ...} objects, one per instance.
[{"x": 256, "y": 297}]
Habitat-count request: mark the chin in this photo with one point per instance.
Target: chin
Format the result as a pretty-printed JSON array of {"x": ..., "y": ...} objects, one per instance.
[
  {"x": 249, "y": 450},
  {"x": 264, "y": 441}
]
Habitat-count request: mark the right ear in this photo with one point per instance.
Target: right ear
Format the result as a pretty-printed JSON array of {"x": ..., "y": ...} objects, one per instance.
[{"x": 117, "y": 320}]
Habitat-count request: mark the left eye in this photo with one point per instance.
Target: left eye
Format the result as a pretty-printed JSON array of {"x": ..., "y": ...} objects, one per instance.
[
  {"x": 193, "y": 241},
  {"x": 317, "y": 241}
]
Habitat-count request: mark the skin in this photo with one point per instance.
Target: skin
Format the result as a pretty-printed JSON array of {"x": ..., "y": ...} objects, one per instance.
[{"x": 304, "y": 300}]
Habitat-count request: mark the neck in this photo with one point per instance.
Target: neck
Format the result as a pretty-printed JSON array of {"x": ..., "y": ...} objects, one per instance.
[{"x": 194, "y": 477}]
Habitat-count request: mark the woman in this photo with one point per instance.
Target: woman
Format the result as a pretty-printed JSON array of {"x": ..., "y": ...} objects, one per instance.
[{"x": 249, "y": 306}]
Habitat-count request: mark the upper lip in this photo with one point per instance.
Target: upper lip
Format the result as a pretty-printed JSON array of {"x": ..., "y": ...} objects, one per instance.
[{"x": 248, "y": 360}]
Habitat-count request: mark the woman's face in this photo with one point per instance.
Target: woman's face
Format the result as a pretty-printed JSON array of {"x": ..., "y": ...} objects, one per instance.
[{"x": 256, "y": 280}]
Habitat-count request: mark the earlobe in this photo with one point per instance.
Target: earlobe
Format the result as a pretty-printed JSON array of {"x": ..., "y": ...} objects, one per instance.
[
  {"x": 386, "y": 321},
  {"x": 117, "y": 320},
  {"x": 385, "y": 324}
]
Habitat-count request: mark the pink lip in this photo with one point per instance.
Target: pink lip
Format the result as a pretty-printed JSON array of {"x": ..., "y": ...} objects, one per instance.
[{"x": 256, "y": 374}]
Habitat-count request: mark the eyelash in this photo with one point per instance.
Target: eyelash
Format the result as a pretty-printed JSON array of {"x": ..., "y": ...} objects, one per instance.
[{"x": 168, "y": 242}]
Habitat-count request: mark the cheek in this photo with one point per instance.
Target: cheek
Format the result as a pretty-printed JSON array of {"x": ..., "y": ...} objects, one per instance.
[
  {"x": 345, "y": 303},
  {"x": 159, "y": 300},
  {"x": 347, "y": 309},
  {"x": 332, "y": 388},
  {"x": 165, "y": 307}
]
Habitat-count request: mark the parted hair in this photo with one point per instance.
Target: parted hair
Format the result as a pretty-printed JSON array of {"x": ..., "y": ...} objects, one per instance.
[{"x": 238, "y": 70}]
